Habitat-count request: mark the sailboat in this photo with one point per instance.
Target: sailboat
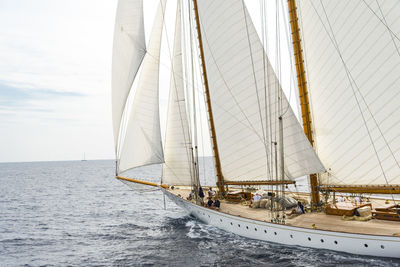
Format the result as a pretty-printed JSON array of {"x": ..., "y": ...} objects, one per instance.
[{"x": 346, "y": 56}]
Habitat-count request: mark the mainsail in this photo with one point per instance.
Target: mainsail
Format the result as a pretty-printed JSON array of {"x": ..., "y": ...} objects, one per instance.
[
  {"x": 128, "y": 52},
  {"x": 352, "y": 51},
  {"x": 178, "y": 154},
  {"x": 353, "y": 63},
  {"x": 142, "y": 143},
  {"x": 245, "y": 100}
]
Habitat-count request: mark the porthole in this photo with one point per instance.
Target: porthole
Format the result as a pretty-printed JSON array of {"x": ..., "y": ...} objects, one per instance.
[
  {"x": 247, "y": 227},
  {"x": 322, "y": 241},
  {"x": 275, "y": 233},
  {"x": 291, "y": 236},
  {"x": 335, "y": 242},
  {"x": 220, "y": 220},
  {"x": 231, "y": 223},
  {"x": 382, "y": 246},
  {"x": 238, "y": 225},
  {"x": 255, "y": 229},
  {"x": 309, "y": 239},
  {"x": 265, "y": 231},
  {"x": 366, "y": 245}
]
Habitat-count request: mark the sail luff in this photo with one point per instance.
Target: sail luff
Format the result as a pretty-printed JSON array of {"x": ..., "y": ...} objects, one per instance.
[
  {"x": 303, "y": 91},
  {"x": 178, "y": 153},
  {"x": 142, "y": 143},
  {"x": 353, "y": 65},
  {"x": 235, "y": 61},
  {"x": 213, "y": 136},
  {"x": 128, "y": 52}
]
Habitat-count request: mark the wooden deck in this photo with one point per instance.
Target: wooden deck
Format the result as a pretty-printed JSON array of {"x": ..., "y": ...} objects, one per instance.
[{"x": 307, "y": 220}]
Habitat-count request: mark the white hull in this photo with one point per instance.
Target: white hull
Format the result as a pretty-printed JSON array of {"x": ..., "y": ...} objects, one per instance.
[{"x": 372, "y": 245}]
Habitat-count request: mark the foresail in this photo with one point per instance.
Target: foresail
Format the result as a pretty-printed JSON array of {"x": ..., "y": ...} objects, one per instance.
[
  {"x": 128, "y": 52},
  {"x": 244, "y": 97},
  {"x": 178, "y": 154},
  {"x": 142, "y": 140},
  {"x": 352, "y": 51}
]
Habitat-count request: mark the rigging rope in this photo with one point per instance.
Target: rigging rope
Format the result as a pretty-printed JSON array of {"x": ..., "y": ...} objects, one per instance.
[
  {"x": 187, "y": 143},
  {"x": 253, "y": 70},
  {"x": 250, "y": 125},
  {"x": 268, "y": 129},
  {"x": 383, "y": 22},
  {"x": 292, "y": 71},
  {"x": 387, "y": 26},
  {"x": 352, "y": 81},
  {"x": 266, "y": 144},
  {"x": 194, "y": 158}
]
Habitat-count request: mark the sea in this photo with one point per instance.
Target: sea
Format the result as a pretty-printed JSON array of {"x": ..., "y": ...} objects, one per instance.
[{"x": 75, "y": 213}]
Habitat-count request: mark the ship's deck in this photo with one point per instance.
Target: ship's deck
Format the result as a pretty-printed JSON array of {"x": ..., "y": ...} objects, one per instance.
[{"x": 307, "y": 220}]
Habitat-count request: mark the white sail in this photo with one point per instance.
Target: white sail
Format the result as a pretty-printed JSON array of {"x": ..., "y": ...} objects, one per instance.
[
  {"x": 128, "y": 52},
  {"x": 177, "y": 150},
  {"x": 235, "y": 67},
  {"x": 353, "y": 67},
  {"x": 142, "y": 143}
]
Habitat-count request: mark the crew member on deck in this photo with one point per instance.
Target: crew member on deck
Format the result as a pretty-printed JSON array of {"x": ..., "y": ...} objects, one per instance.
[
  {"x": 357, "y": 200},
  {"x": 256, "y": 197},
  {"x": 300, "y": 208},
  {"x": 191, "y": 195},
  {"x": 201, "y": 194},
  {"x": 210, "y": 202},
  {"x": 211, "y": 192},
  {"x": 217, "y": 204}
]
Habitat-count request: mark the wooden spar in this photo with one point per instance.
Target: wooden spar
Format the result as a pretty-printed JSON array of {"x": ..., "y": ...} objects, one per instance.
[
  {"x": 141, "y": 182},
  {"x": 303, "y": 91},
  {"x": 220, "y": 179},
  {"x": 272, "y": 182},
  {"x": 360, "y": 189}
]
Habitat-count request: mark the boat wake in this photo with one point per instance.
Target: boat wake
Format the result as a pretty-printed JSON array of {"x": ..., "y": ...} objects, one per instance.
[{"x": 211, "y": 240}]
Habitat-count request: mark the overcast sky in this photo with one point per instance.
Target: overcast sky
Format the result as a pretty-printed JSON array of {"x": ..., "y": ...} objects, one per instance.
[
  {"x": 55, "y": 76},
  {"x": 55, "y": 64}
]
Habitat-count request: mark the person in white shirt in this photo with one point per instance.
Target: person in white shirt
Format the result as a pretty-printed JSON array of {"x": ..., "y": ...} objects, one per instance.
[
  {"x": 357, "y": 200},
  {"x": 256, "y": 197},
  {"x": 340, "y": 199},
  {"x": 211, "y": 192}
]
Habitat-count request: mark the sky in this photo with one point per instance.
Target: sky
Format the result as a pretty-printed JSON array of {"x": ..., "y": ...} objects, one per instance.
[
  {"x": 55, "y": 65},
  {"x": 55, "y": 78}
]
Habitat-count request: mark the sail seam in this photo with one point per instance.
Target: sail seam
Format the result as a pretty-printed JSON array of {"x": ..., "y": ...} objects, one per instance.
[
  {"x": 383, "y": 22},
  {"x": 351, "y": 80},
  {"x": 250, "y": 125}
]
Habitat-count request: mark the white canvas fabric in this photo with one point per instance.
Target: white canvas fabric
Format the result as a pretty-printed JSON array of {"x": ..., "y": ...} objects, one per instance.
[
  {"x": 128, "y": 52},
  {"x": 177, "y": 150},
  {"x": 244, "y": 98},
  {"x": 142, "y": 142},
  {"x": 353, "y": 70}
]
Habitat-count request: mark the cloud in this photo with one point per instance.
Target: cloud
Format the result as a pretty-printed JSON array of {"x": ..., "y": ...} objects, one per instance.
[
  {"x": 60, "y": 45},
  {"x": 12, "y": 97},
  {"x": 55, "y": 66}
]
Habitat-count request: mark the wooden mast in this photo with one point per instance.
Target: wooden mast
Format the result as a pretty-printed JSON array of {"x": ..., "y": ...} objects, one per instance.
[
  {"x": 303, "y": 91},
  {"x": 220, "y": 179}
]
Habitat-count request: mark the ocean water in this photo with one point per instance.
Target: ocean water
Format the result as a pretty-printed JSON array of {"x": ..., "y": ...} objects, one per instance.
[{"x": 77, "y": 214}]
